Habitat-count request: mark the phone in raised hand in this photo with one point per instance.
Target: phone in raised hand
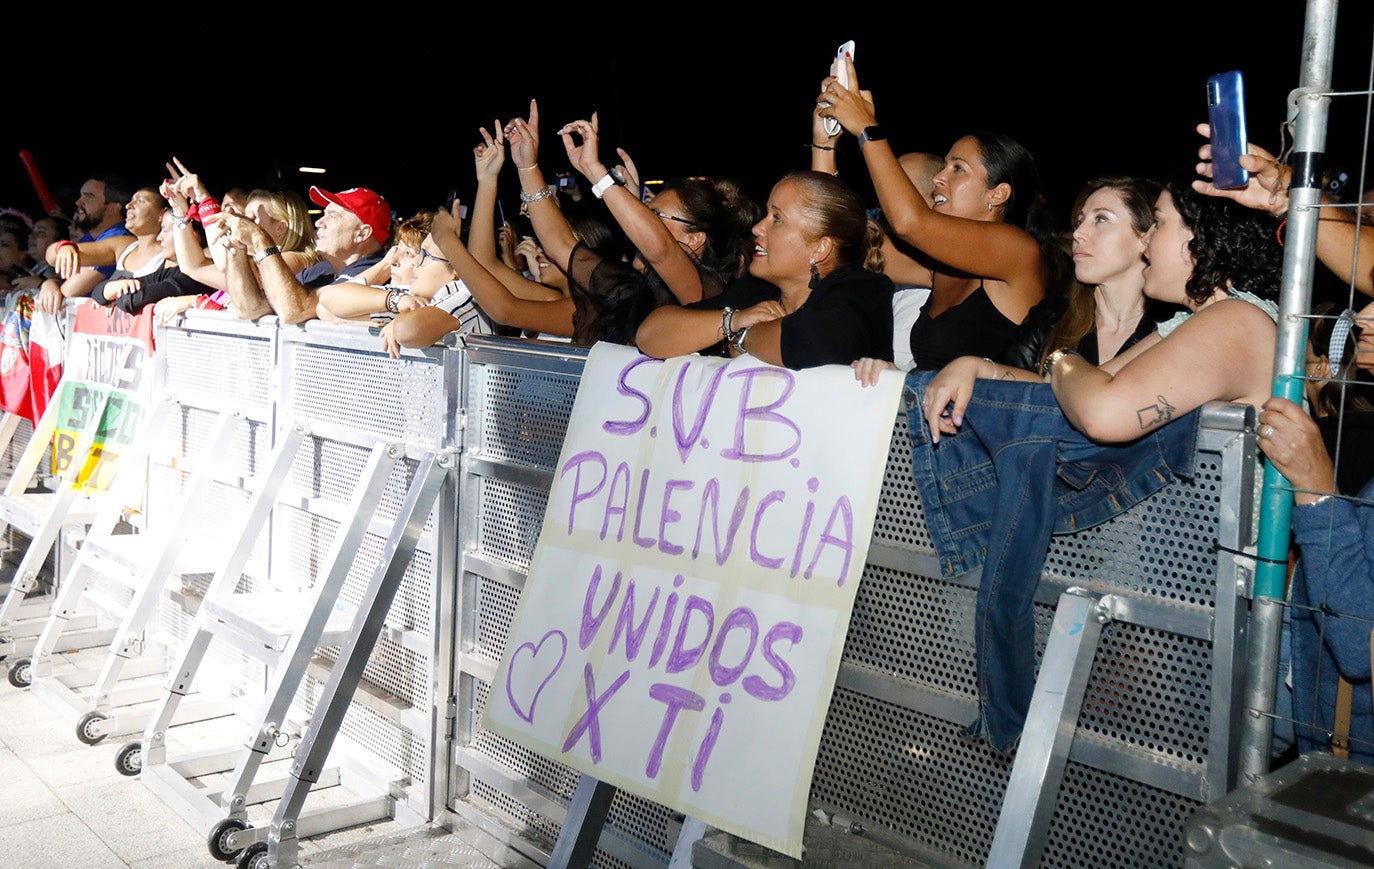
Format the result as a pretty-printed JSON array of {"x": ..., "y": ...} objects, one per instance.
[
  {"x": 841, "y": 72},
  {"x": 1226, "y": 116}
]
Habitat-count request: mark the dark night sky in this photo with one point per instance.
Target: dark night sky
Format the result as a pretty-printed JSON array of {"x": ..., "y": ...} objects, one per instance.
[{"x": 395, "y": 105}]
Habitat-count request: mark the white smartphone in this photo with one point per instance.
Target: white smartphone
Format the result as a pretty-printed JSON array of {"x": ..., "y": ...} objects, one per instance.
[{"x": 840, "y": 71}]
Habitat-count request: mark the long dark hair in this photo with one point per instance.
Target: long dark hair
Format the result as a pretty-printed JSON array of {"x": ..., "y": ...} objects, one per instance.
[
  {"x": 725, "y": 215},
  {"x": 1009, "y": 162}
]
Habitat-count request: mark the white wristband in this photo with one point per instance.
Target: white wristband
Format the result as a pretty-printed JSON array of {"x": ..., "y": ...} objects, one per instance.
[{"x": 606, "y": 183}]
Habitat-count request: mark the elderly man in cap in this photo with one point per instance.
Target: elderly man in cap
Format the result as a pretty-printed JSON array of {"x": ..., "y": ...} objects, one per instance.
[{"x": 351, "y": 236}]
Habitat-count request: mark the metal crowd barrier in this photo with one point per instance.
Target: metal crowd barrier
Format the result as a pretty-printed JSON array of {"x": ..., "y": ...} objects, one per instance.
[
  {"x": 1148, "y": 687},
  {"x": 1140, "y": 624}
]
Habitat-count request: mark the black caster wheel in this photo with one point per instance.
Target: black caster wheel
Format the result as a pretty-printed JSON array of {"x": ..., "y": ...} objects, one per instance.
[
  {"x": 19, "y": 675},
  {"x": 218, "y": 840},
  {"x": 129, "y": 760},
  {"x": 254, "y": 857},
  {"x": 88, "y": 731}
]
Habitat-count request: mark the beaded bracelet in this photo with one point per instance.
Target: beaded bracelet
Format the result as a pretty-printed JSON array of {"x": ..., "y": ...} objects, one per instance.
[{"x": 727, "y": 314}]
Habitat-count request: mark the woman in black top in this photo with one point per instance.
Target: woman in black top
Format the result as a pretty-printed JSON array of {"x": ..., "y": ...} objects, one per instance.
[
  {"x": 1105, "y": 310},
  {"x": 808, "y": 299}
]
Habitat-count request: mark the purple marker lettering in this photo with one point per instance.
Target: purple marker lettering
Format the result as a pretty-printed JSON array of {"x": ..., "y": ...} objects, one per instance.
[
  {"x": 629, "y": 427},
  {"x": 761, "y": 690},
  {"x": 845, "y": 514},
  {"x": 575, "y": 464},
  {"x": 812, "y": 484},
  {"x": 590, "y": 722},
  {"x": 617, "y": 501},
  {"x": 676, "y": 699},
  {"x": 680, "y": 659},
  {"x": 667, "y": 515},
  {"x": 763, "y": 415},
  {"x": 711, "y": 494},
  {"x": 624, "y": 623},
  {"x": 669, "y": 610},
  {"x": 708, "y": 742},
  {"x": 685, "y": 440},
  {"x": 758, "y": 557},
  {"x": 591, "y": 624},
  {"x": 740, "y": 617},
  {"x": 639, "y": 539}
]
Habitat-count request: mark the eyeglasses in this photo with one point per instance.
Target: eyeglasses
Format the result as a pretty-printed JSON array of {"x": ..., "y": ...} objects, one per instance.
[
  {"x": 426, "y": 255},
  {"x": 691, "y": 223}
]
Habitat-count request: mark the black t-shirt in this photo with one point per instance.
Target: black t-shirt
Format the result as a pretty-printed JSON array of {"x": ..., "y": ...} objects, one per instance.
[{"x": 848, "y": 316}]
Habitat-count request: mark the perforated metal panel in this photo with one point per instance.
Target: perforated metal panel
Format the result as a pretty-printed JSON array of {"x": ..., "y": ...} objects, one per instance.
[
  {"x": 894, "y": 753},
  {"x": 205, "y": 366},
  {"x": 364, "y": 390}
]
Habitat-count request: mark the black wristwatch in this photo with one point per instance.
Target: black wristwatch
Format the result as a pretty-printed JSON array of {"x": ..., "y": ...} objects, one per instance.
[{"x": 871, "y": 133}]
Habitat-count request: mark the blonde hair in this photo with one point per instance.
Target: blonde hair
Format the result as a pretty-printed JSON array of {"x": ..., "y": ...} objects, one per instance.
[{"x": 290, "y": 207}]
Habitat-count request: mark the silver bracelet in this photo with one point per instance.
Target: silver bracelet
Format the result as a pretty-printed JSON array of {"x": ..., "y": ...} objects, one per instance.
[
  {"x": 738, "y": 342},
  {"x": 542, "y": 194},
  {"x": 727, "y": 314}
]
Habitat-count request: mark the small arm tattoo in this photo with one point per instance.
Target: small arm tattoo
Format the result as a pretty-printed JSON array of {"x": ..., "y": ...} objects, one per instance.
[{"x": 1155, "y": 414}]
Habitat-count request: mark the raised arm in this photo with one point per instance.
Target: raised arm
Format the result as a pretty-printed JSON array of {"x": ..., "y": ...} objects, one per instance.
[
  {"x": 241, "y": 283},
  {"x": 1343, "y": 250},
  {"x": 497, "y": 302},
  {"x": 488, "y": 158},
  {"x": 988, "y": 248},
  {"x": 642, "y": 226},
  {"x": 550, "y": 224}
]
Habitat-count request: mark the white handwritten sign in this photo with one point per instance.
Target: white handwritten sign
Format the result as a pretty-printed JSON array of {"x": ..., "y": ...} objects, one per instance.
[{"x": 681, "y": 626}]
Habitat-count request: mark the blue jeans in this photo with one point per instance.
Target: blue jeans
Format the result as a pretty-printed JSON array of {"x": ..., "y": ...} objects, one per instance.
[{"x": 1015, "y": 473}]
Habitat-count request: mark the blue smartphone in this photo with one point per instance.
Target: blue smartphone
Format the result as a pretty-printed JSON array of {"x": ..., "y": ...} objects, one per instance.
[{"x": 1226, "y": 115}]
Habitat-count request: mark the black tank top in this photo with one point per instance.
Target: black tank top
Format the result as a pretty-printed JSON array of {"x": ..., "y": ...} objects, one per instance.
[{"x": 974, "y": 327}]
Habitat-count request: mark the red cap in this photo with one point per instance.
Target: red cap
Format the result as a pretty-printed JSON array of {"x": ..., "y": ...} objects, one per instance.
[{"x": 367, "y": 205}]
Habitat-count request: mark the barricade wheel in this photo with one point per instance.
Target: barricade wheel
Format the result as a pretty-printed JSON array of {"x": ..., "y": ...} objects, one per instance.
[
  {"x": 218, "y": 840},
  {"x": 19, "y": 674},
  {"x": 87, "y": 730},
  {"x": 129, "y": 760},
  {"x": 254, "y": 857}
]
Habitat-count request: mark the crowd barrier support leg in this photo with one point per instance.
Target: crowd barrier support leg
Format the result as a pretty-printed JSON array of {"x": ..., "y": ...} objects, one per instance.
[
  {"x": 283, "y": 841},
  {"x": 1043, "y": 750}
]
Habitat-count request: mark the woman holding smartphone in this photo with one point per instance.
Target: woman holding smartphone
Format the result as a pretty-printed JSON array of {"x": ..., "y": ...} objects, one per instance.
[
  {"x": 1220, "y": 261},
  {"x": 988, "y": 268},
  {"x": 1106, "y": 310}
]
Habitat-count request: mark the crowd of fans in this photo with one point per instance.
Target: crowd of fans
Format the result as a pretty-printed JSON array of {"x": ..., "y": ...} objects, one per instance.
[{"x": 1157, "y": 297}]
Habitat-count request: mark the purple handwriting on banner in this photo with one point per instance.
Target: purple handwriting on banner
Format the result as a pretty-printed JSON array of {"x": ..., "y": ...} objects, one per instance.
[
  {"x": 686, "y": 436},
  {"x": 697, "y": 615},
  {"x": 766, "y": 413},
  {"x": 628, "y": 427},
  {"x": 686, "y": 439},
  {"x": 590, "y": 722},
  {"x": 536, "y": 663},
  {"x": 589, "y": 490}
]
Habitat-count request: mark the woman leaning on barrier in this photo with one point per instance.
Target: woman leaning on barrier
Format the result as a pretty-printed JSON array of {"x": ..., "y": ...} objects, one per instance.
[{"x": 1100, "y": 440}]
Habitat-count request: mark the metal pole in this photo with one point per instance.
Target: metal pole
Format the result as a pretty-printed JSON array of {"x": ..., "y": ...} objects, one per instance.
[{"x": 1310, "y": 104}]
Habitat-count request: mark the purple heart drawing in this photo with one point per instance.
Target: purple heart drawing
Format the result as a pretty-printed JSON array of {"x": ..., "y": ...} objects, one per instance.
[{"x": 535, "y": 667}]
